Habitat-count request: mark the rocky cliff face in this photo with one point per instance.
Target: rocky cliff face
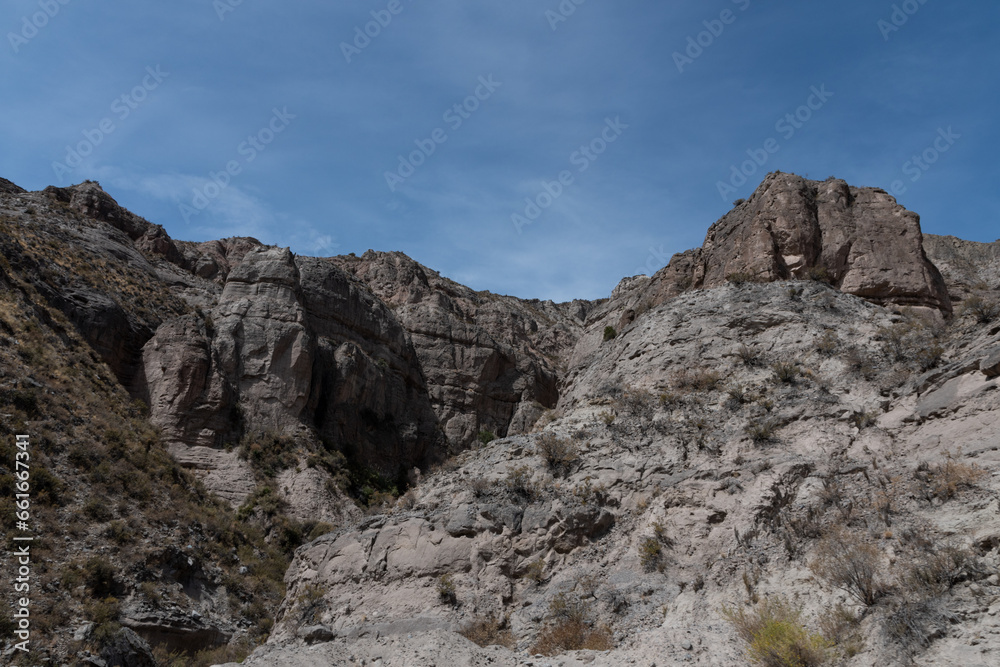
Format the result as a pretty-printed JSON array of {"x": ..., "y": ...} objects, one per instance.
[
  {"x": 792, "y": 376},
  {"x": 492, "y": 362}
]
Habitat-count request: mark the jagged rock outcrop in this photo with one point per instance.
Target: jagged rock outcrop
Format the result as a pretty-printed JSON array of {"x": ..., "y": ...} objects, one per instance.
[
  {"x": 858, "y": 238},
  {"x": 492, "y": 362},
  {"x": 292, "y": 342}
]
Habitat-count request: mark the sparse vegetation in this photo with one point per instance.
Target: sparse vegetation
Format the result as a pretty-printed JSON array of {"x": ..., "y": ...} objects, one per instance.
[
  {"x": 609, "y": 333},
  {"x": 827, "y": 343},
  {"x": 488, "y": 631},
  {"x": 850, "y": 564},
  {"x": 651, "y": 549},
  {"x": 741, "y": 278},
  {"x": 785, "y": 371},
  {"x": 570, "y": 629},
  {"x": 982, "y": 309},
  {"x": 748, "y": 355},
  {"x": 775, "y": 637},
  {"x": 820, "y": 274},
  {"x": 761, "y": 430},
  {"x": 486, "y": 437},
  {"x": 944, "y": 480},
  {"x": 268, "y": 452},
  {"x": 559, "y": 453},
  {"x": 518, "y": 483},
  {"x": 700, "y": 379},
  {"x": 447, "y": 590}
]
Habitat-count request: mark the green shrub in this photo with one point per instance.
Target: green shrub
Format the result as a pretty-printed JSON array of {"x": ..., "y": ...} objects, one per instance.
[
  {"x": 486, "y": 437},
  {"x": 609, "y": 333},
  {"x": 21, "y": 399},
  {"x": 268, "y": 453},
  {"x": 447, "y": 590},
  {"x": 650, "y": 553},
  {"x": 775, "y": 637}
]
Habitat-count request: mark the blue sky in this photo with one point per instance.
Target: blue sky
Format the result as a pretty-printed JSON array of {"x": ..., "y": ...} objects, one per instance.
[{"x": 164, "y": 98}]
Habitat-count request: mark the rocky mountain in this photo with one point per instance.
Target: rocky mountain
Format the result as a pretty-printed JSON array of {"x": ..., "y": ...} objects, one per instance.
[{"x": 692, "y": 471}]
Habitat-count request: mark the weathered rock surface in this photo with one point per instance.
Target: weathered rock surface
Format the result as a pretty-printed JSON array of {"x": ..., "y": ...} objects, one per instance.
[
  {"x": 867, "y": 244},
  {"x": 738, "y": 514},
  {"x": 965, "y": 264},
  {"x": 491, "y": 362},
  {"x": 693, "y": 460}
]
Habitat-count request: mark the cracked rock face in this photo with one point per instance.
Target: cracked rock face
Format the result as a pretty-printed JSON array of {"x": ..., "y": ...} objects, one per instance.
[
  {"x": 866, "y": 243},
  {"x": 491, "y": 362}
]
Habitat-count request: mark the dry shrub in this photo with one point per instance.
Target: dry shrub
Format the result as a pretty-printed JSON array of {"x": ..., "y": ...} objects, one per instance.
[
  {"x": 941, "y": 569},
  {"x": 983, "y": 310},
  {"x": 851, "y": 565},
  {"x": 775, "y": 637},
  {"x": 742, "y": 277},
  {"x": 947, "y": 478},
  {"x": 761, "y": 431},
  {"x": 841, "y": 626},
  {"x": 480, "y": 487},
  {"x": 638, "y": 402},
  {"x": 699, "y": 379},
  {"x": 571, "y": 630},
  {"x": 748, "y": 355},
  {"x": 739, "y": 395},
  {"x": 519, "y": 484},
  {"x": 785, "y": 371},
  {"x": 488, "y": 631},
  {"x": 828, "y": 343},
  {"x": 559, "y": 453}
]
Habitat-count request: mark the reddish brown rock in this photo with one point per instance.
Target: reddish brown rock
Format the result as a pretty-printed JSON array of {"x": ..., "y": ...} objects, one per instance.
[{"x": 860, "y": 238}]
